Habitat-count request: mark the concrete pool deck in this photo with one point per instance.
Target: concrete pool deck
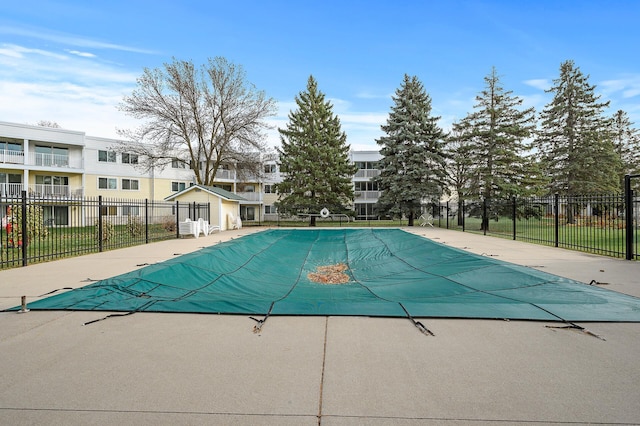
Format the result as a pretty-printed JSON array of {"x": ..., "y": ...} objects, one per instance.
[{"x": 179, "y": 369}]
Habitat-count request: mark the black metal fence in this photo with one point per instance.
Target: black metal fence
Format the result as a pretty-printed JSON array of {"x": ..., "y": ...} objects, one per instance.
[
  {"x": 606, "y": 224},
  {"x": 37, "y": 229}
]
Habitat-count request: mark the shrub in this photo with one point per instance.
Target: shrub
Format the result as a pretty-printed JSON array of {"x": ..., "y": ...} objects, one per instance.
[
  {"x": 108, "y": 231},
  {"x": 169, "y": 223},
  {"x": 135, "y": 226},
  {"x": 35, "y": 224}
]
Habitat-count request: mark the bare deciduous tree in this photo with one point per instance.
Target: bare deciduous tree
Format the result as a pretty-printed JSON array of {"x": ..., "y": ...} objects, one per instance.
[
  {"x": 203, "y": 117},
  {"x": 47, "y": 123}
]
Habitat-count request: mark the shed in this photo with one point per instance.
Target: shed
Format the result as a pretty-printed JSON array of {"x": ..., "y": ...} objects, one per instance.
[{"x": 225, "y": 205}]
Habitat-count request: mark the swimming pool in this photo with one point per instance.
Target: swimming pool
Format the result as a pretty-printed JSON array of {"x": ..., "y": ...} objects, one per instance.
[{"x": 377, "y": 272}]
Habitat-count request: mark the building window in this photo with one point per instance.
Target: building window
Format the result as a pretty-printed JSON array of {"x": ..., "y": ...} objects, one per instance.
[
  {"x": 269, "y": 189},
  {"x": 129, "y": 158},
  {"x": 270, "y": 210},
  {"x": 109, "y": 211},
  {"x": 249, "y": 188},
  {"x": 51, "y": 156},
  {"x": 130, "y": 184},
  {"x": 107, "y": 183},
  {"x": 10, "y": 146},
  {"x": 178, "y": 164},
  {"x": 367, "y": 165},
  {"x": 55, "y": 215},
  {"x": 366, "y": 186},
  {"x": 130, "y": 211},
  {"x": 269, "y": 168},
  {"x": 177, "y": 186},
  {"x": 106, "y": 156}
]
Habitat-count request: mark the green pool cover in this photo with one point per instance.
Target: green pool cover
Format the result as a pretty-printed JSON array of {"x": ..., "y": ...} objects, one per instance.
[{"x": 391, "y": 273}]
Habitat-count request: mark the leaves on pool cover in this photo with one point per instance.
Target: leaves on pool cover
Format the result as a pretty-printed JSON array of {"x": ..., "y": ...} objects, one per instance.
[{"x": 330, "y": 274}]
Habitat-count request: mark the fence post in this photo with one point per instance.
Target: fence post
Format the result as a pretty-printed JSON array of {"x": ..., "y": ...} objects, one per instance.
[
  {"x": 447, "y": 214},
  {"x": 177, "y": 219},
  {"x": 556, "y": 208},
  {"x": 23, "y": 225},
  {"x": 463, "y": 218},
  {"x": 628, "y": 216},
  {"x": 485, "y": 219},
  {"x": 146, "y": 221},
  {"x": 514, "y": 210},
  {"x": 100, "y": 223}
]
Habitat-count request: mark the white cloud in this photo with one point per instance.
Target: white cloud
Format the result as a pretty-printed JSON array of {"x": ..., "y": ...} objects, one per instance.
[
  {"x": 538, "y": 83},
  {"x": 628, "y": 86},
  {"x": 371, "y": 95},
  {"x": 82, "y": 54},
  {"x": 70, "y": 39},
  {"x": 71, "y": 88}
]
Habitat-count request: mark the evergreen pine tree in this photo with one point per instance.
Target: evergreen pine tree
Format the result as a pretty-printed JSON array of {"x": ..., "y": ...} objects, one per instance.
[
  {"x": 412, "y": 164},
  {"x": 497, "y": 133},
  {"x": 314, "y": 157},
  {"x": 626, "y": 140},
  {"x": 575, "y": 141}
]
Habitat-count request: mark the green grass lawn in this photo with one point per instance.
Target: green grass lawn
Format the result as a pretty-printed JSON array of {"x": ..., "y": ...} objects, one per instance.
[
  {"x": 63, "y": 242},
  {"x": 66, "y": 241},
  {"x": 606, "y": 239}
]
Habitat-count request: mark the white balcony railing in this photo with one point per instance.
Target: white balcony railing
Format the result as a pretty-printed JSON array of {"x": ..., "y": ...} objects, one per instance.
[
  {"x": 367, "y": 195},
  {"x": 49, "y": 190},
  {"x": 10, "y": 189},
  {"x": 367, "y": 173},
  {"x": 8, "y": 156},
  {"x": 51, "y": 160},
  {"x": 225, "y": 174},
  {"x": 251, "y": 196}
]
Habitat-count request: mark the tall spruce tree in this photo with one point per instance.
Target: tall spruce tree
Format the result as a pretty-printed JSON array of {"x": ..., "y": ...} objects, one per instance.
[
  {"x": 412, "y": 164},
  {"x": 575, "y": 140},
  {"x": 496, "y": 134},
  {"x": 314, "y": 158},
  {"x": 626, "y": 140}
]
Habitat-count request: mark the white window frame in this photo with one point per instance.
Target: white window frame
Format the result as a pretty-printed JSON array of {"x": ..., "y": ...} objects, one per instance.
[
  {"x": 130, "y": 158},
  {"x": 129, "y": 184},
  {"x": 112, "y": 156},
  {"x": 178, "y": 185},
  {"x": 108, "y": 180}
]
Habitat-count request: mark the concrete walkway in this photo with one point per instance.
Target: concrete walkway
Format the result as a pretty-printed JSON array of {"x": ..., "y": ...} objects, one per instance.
[{"x": 184, "y": 369}]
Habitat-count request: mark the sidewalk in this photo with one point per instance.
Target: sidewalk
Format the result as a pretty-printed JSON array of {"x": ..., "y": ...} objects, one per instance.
[{"x": 184, "y": 369}]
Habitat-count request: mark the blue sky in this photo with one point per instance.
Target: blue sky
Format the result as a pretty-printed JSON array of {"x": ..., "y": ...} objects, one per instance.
[{"x": 73, "y": 61}]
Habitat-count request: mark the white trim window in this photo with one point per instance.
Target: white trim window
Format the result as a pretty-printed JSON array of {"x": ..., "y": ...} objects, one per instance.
[
  {"x": 128, "y": 158},
  {"x": 130, "y": 184},
  {"x": 130, "y": 210},
  {"x": 106, "y": 156},
  {"x": 178, "y": 186},
  {"x": 107, "y": 183}
]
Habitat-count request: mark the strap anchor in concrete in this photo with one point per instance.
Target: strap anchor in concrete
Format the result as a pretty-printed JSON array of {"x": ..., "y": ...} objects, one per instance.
[{"x": 23, "y": 305}]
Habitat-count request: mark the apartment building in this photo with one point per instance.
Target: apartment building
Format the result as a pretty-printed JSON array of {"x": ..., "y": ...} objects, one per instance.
[
  {"x": 59, "y": 163},
  {"x": 366, "y": 191}
]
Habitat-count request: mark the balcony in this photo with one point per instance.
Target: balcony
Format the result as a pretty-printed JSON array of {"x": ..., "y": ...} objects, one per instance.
[
  {"x": 225, "y": 174},
  {"x": 10, "y": 189},
  {"x": 49, "y": 190},
  {"x": 367, "y": 195},
  {"x": 367, "y": 173},
  {"x": 13, "y": 157},
  {"x": 53, "y": 160},
  {"x": 255, "y": 197}
]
